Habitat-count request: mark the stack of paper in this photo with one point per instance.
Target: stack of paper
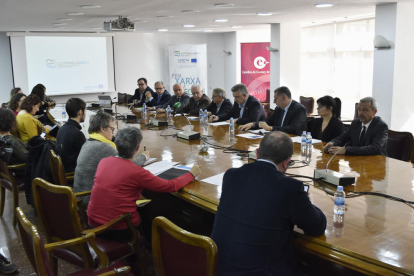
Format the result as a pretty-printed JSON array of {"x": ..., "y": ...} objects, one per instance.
[
  {"x": 215, "y": 180},
  {"x": 219, "y": 123},
  {"x": 298, "y": 139},
  {"x": 250, "y": 136},
  {"x": 259, "y": 131},
  {"x": 159, "y": 167},
  {"x": 150, "y": 161}
]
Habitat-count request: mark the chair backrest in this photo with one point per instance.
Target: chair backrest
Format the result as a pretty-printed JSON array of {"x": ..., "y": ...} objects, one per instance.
[
  {"x": 51, "y": 118},
  {"x": 356, "y": 111},
  {"x": 338, "y": 103},
  {"x": 57, "y": 209},
  {"x": 267, "y": 99},
  {"x": 171, "y": 245},
  {"x": 57, "y": 168},
  {"x": 33, "y": 245},
  {"x": 122, "y": 97},
  {"x": 5, "y": 173},
  {"x": 400, "y": 145},
  {"x": 309, "y": 123},
  {"x": 308, "y": 103},
  {"x": 4, "y": 105}
]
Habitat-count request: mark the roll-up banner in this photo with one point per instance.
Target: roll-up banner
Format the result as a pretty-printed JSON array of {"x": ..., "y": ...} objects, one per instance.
[
  {"x": 255, "y": 68},
  {"x": 188, "y": 66}
]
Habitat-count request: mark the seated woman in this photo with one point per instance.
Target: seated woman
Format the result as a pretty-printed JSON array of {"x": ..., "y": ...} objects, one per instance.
[
  {"x": 328, "y": 126},
  {"x": 119, "y": 182},
  {"x": 7, "y": 124},
  {"x": 15, "y": 91},
  {"x": 15, "y": 104},
  {"x": 27, "y": 125},
  {"x": 97, "y": 147},
  {"x": 39, "y": 90}
]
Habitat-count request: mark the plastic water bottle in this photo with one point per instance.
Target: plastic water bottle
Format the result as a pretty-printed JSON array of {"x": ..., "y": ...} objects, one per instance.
[
  {"x": 308, "y": 147},
  {"x": 201, "y": 118},
  {"x": 231, "y": 128},
  {"x": 339, "y": 201},
  {"x": 205, "y": 121},
  {"x": 144, "y": 110},
  {"x": 169, "y": 115},
  {"x": 303, "y": 146},
  {"x": 63, "y": 114}
]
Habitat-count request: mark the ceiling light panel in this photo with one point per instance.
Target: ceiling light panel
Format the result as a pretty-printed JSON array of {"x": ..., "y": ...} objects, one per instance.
[
  {"x": 90, "y": 7},
  {"x": 75, "y": 13}
]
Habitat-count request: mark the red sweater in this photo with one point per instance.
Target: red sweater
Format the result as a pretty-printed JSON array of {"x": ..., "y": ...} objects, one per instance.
[{"x": 118, "y": 184}]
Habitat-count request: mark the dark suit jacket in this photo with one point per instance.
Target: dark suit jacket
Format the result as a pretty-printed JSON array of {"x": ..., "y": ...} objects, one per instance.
[
  {"x": 334, "y": 128},
  {"x": 165, "y": 98},
  {"x": 136, "y": 96},
  {"x": 224, "y": 108},
  {"x": 253, "y": 112},
  {"x": 375, "y": 141},
  {"x": 192, "y": 108},
  {"x": 295, "y": 119},
  {"x": 253, "y": 227},
  {"x": 184, "y": 100}
]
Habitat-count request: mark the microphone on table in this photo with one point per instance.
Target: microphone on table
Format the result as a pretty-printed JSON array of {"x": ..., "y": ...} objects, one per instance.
[
  {"x": 188, "y": 135},
  {"x": 156, "y": 122},
  {"x": 332, "y": 177}
]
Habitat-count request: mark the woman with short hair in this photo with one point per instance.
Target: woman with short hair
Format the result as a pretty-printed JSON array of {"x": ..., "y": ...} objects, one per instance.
[
  {"x": 7, "y": 125},
  {"x": 328, "y": 126},
  {"x": 27, "y": 125},
  {"x": 15, "y": 104},
  {"x": 98, "y": 146},
  {"x": 115, "y": 193}
]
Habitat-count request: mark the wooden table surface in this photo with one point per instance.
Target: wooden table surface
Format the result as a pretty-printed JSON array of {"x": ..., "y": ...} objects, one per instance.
[{"x": 376, "y": 231}]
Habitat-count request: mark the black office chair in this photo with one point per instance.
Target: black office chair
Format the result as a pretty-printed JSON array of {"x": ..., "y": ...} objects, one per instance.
[{"x": 400, "y": 145}]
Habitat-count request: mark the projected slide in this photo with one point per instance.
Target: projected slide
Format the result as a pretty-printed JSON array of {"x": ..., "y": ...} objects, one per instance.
[{"x": 67, "y": 64}]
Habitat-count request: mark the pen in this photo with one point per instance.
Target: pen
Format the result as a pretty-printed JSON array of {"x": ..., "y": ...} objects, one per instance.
[
  {"x": 201, "y": 166},
  {"x": 145, "y": 148}
]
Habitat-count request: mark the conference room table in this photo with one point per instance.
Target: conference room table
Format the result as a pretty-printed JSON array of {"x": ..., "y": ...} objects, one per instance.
[{"x": 375, "y": 235}]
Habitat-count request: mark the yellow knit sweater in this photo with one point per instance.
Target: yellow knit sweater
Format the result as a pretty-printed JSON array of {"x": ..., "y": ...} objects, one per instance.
[{"x": 28, "y": 126}]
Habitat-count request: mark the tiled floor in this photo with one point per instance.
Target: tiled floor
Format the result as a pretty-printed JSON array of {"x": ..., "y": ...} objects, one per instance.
[{"x": 10, "y": 243}]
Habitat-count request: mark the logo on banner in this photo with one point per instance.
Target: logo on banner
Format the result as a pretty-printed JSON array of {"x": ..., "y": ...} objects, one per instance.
[
  {"x": 50, "y": 63},
  {"x": 260, "y": 62},
  {"x": 177, "y": 53}
]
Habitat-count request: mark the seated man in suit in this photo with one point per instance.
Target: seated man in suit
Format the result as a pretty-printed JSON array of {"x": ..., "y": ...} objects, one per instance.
[
  {"x": 159, "y": 98},
  {"x": 367, "y": 135},
  {"x": 219, "y": 105},
  {"x": 256, "y": 239},
  {"x": 246, "y": 108},
  {"x": 289, "y": 116},
  {"x": 197, "y": 101},
  {"x": 179, "y": 97},
  {"x": 139, "y": 95}
]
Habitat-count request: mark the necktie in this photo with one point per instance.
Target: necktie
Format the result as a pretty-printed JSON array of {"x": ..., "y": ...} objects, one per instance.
[
  {"x": 158, "y": 99},
  {"x": 362, "y": 136},
  {"x": 281, "y": 118}
]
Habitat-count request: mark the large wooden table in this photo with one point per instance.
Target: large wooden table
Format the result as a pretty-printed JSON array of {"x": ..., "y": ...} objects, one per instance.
[{"x": 377, "y": 236}]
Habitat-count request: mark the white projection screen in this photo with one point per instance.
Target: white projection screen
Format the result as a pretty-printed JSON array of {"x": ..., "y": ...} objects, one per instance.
[{"x": 65, "y": 64}]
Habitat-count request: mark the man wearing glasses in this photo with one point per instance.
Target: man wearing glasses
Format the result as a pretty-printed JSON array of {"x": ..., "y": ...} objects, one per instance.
[
  {"x": 139, "y": 97},
  {"x": 159, "y": 98},
  {"x": 220, "y": 104},
  {"x": 179, "y": 99},
  {"x": 197, "y": 101},
  {"x": 289, "y": 116},
  {"x": 259, "y": 207}
]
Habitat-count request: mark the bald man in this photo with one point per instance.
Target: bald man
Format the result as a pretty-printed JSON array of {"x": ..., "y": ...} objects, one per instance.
[{"x": 179, "y": 97}]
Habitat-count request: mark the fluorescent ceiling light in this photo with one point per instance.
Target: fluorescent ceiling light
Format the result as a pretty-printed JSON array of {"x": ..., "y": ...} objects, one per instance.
[
  {"x": 64, "y": 19},
  {"x": 163, "y": 30},
  {"x": 264, "y": 13},
  {"x": 208, "y": 30},
  {"x": 96, "y": 28},
  {"x": 323, "y": 5},
  {"x": 90, "y": 7},
  {"x": 236, "y": 27},
  {"x": 221, "y": 20},
  {"x": 189, "y": 11},
  {"x": 223, "y": 5},
  {"x": 74, "y": 13},
  {"x": 189, "y": 26},
  {"x": 164, "y": 16},
  {"x": 58, "y": 27},
  {"x": 59, "y": 24},
  {"x": 140, "y": 21}
]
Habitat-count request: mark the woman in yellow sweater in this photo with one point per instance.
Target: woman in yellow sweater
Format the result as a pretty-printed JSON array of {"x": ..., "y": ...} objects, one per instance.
[{"x": 27, "y": 125}]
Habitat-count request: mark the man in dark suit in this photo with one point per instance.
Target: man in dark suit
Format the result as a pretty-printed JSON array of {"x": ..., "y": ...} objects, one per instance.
[
  {"x": 219, "y": 105},
  {"x": 179, "y": 97},
  {"x": 259, "y": 206},
  {"x": 289, "y": 116},
  {"x": 159, "y": 98},
  {"x": 198, "y": 101},
  {"x": 140, "y": 92},
  {"x": 367, "y": 135},
  {"x": 246, "y": 108}
]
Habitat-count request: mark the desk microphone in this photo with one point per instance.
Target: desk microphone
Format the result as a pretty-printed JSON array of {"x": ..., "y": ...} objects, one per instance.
[
  {"x": 333, "y": 177},
  {"x": 156, "y": 122},
  {"x": 188, "y": 135}
]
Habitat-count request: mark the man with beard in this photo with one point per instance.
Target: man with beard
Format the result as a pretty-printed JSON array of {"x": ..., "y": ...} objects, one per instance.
[{"x": 367, "y": 135}]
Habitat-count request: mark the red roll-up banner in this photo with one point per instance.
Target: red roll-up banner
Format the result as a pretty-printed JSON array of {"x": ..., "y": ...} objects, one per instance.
[{"x": 255, "y": 68}]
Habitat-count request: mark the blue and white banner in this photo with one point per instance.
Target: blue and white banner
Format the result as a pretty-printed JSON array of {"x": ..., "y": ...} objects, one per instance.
[{"x": 188, "y": 66}]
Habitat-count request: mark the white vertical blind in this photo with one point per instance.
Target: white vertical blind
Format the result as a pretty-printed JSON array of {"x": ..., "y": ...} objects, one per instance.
[{"x": 337, "y": 60}]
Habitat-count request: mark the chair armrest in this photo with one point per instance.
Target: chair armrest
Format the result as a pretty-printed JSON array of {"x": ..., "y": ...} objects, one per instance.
[
  {"x": 83, "y": 193},
  {"x": 70, "y": 174},
  {"x": 72, "y": 177},
  {"x": 107, "y": 225},
  {"x": 15, "y": 167}
]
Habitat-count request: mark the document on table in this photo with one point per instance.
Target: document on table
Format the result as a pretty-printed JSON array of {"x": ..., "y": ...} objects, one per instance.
[
  {"x": 176, "y": 115},
  {"x": 150, "y": 161},
  {"x": 215, "y": 180},
  {"x": 259, "y": 131},
  {"x": 159, "y": 167},
  {"x": 219, "y": 123},
  {"x": 250, "y": 136},
  {"x": 192, "y": 118},
  {"x": 298, "y": 139}
]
